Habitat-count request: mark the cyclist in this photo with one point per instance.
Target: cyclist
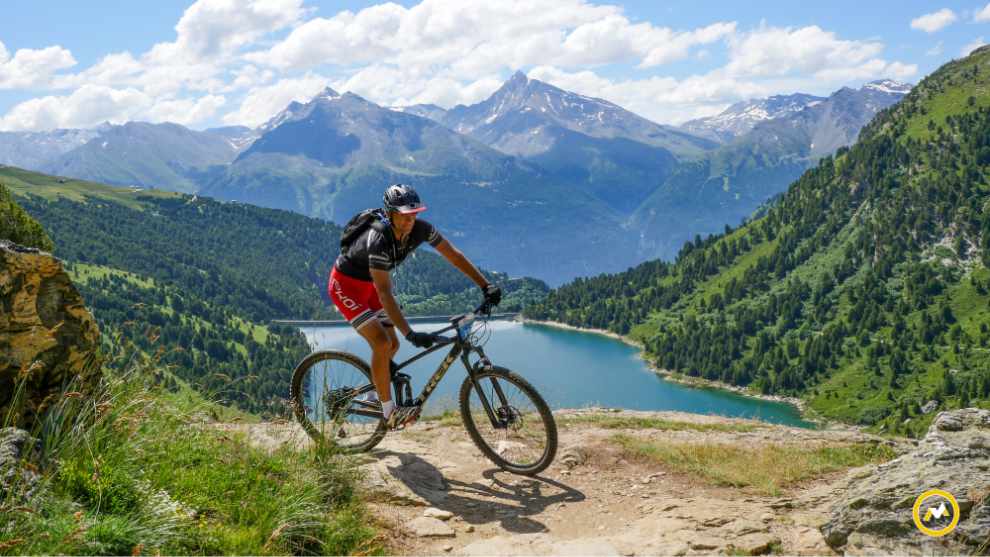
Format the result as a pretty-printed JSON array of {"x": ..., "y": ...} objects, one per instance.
[{"x": 361, "y": 288}]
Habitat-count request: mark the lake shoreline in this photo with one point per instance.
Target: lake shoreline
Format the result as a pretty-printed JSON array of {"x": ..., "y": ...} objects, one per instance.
[{"x": 696, "y": 382}]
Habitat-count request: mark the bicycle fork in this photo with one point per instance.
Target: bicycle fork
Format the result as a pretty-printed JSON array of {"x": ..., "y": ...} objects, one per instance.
[{"x": 497, "y": 421}]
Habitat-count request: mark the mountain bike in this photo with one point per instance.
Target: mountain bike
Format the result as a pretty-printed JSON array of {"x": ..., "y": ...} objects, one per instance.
[{"x": 504, "y": 415}]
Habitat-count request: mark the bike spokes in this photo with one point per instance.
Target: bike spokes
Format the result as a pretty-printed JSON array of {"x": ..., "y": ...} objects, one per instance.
[
  {"x": 340, "y": 404},
  {"x": 515, "y": 431}
]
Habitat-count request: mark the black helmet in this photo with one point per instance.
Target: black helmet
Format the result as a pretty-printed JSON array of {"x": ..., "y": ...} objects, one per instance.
[{"x": 403, "y": 199}]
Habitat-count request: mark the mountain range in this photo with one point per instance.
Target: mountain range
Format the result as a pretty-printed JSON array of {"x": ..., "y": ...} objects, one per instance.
[
  {"x": 617, "y": 156},
  {"x": 331, "y": 156},
  {"x": 164, "y": 156},
  {"x": 570, "y": 185},
  {"x": 864, "y": 289},
  {"x": 743, "y": 116},
  {"x": 731, "y": 182}
]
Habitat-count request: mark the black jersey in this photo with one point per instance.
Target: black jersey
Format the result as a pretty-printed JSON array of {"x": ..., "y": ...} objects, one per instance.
[{"x": 373, "y": 250}]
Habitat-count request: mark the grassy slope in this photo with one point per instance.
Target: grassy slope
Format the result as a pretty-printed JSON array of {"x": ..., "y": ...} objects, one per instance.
[
  {"x": 25, "y": 182},
  {"x": 149, "y": 473}
]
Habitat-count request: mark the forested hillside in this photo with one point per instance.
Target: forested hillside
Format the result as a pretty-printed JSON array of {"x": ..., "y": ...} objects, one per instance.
[
  {"x": 864, "y": 289},
  {"x": 195, "y": 282}
]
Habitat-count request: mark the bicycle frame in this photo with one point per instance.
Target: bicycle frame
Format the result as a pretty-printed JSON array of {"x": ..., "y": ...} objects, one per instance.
[{"x": 461, "y": 347}]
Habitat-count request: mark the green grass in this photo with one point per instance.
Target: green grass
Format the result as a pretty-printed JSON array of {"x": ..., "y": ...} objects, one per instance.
[
  {"x": 448, "y": 417},
  {"x": 718, "y": 282},
  {"x": 841, "y": 396},
  {"x": 633, "y": 422},
  {"x": 139, "y": 471},
  {"x": 767, "y": 468},
  {"x": 258, "y": 332},
  {"x": 954, "y": 100},
  {"x": 86, "y": 272},
  {"x": 23, "y": 182}
]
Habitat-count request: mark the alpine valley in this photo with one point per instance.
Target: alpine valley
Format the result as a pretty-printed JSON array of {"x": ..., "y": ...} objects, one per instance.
[
  {"x": 863, "y": 289},
  {"x": 196, "y": 283},
  {"x": 533, "y": 181}
]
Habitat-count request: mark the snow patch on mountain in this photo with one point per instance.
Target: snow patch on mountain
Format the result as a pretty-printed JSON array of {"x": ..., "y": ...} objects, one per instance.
[
  {"x": 743, "y": 116},
  {"x": 889, "y": 86}
]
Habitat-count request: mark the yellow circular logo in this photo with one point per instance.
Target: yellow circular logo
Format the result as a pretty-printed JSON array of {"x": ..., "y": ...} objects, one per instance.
[{"x": 934, "y": 518}]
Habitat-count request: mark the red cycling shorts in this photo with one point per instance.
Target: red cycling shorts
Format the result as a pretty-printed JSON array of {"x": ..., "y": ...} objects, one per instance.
[{"x": 356, "y": 299}]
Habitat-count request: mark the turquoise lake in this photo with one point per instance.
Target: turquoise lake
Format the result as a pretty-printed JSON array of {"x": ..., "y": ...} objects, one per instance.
[{"x": 571, "y": 369}]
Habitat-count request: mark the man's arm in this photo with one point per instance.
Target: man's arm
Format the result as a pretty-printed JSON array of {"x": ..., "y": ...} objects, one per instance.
[
  {"x": 457, "y": 259},
  {"x": 383, "y": 284}
]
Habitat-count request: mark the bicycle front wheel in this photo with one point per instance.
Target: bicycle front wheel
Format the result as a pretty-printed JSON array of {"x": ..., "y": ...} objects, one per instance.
[
  {"x": 329, "y": 393},
  {"x": 519, "y": 434}
]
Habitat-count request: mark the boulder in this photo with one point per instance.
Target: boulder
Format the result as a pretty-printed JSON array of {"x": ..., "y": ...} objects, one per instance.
[
  {"x": 426, "y": 527},
  {"x": 47, "y": 337},
  {"x": 877, "y": 515},
  {"x": 439, "y": 514},
  {"x": 19, "y": 455},
  {"x": 574, "y": 455}
]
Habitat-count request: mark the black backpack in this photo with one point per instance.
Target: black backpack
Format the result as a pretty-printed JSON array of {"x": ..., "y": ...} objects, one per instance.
[{"x": 359, "y": 223}]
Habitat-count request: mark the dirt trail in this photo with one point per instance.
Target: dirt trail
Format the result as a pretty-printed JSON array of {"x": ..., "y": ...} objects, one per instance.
[{"x": 438, "y": 494}]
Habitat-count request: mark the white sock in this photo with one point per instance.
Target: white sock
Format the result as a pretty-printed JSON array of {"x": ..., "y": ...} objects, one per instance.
[
  {"x": 387, "y": 408},
  {"x": 371, "y": 396}
]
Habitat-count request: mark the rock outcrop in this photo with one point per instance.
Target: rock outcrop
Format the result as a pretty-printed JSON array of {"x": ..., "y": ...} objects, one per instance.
[
  {"x": 954, "y": 456},
  {"x": 48, "y": 339},
  {"x": 19, "y": 452}
]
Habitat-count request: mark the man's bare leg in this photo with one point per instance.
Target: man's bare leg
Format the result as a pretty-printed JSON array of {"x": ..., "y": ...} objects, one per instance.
[{"x": 384, "y": 344}]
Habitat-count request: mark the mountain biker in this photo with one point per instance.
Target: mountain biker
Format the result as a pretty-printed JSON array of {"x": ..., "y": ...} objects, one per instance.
[{"x": 361, "y": 288}]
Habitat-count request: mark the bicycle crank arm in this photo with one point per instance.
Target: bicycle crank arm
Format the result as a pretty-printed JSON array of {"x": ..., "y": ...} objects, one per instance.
[{"x": 377, "y": 414}]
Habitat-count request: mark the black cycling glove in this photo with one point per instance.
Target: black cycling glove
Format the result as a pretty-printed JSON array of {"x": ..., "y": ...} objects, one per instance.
[
  {"x": 420, "y": 340},
  {"x": 493, "y": 295}
]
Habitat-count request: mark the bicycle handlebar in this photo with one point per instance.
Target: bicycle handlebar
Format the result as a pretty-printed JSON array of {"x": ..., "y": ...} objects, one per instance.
[{"x": 483, "y": 309}]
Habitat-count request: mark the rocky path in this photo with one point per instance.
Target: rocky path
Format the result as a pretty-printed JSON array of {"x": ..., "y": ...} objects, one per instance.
[{"x": 436, "y": 494}]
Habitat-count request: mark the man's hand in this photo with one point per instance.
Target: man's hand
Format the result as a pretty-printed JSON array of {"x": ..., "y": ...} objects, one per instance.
[
  {"x": 493, "y": 295},
  {"x": 420, "y": 340}
]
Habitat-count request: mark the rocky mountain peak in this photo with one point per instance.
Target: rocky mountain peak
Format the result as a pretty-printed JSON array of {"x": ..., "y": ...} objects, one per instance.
[
  {"x": 517, "y": 79},
  {"x": 889, "y": 86},
  {"x": 327, "y": 94},
  {"x": 743, "y": 116}
]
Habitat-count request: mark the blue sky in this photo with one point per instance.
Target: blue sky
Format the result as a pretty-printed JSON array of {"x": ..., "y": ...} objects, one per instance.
[{"x": 209, "y": 62}]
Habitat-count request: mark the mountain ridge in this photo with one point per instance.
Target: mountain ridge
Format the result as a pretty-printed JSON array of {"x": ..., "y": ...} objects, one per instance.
[
  {"x": 864, "y": 289},
  {"x": 725, "y": 187}
]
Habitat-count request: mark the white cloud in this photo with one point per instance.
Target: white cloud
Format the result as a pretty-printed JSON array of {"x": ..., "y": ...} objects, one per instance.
[
  {"x": 264, "y": 102},
  {"x": 970, "y": 47},
  {"x": 872, "y": 69},
  {"x": 87, "y": 106},
  {"x": 661, "y": 99},
  {"x": 32, "y": 68},
  {"x": 91, "y": 105},
  {"x": 393, "y": 87},
  {"x": 185, "y": 111},
  {"x": 930, "y": 23},
  {"x": 226, "y": 56},
  {"x": 212, "y": 29},
  {"x": 203, "y": 57},
  {"x": 935, "y": 50},
  {"x": 982, "y": 15},
  {"x": 474, "y": 37},
  {"x": 810, "y": 52},
  {"x": 770, "y": 51},
  {"x": 112, "y": 69}
]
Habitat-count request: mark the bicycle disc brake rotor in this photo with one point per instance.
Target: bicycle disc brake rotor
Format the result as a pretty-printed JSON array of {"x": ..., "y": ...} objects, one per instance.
[{"x": 509, "y": 416}]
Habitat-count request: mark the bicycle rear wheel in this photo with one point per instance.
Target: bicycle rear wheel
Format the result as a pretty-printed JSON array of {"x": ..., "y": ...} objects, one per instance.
[
  {"x": 523, "y": 437},
  {"x": 328, "y": 391}
]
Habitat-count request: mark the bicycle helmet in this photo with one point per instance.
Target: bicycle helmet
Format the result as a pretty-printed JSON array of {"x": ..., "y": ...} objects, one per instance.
[{"x": 402, "y": 198}]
